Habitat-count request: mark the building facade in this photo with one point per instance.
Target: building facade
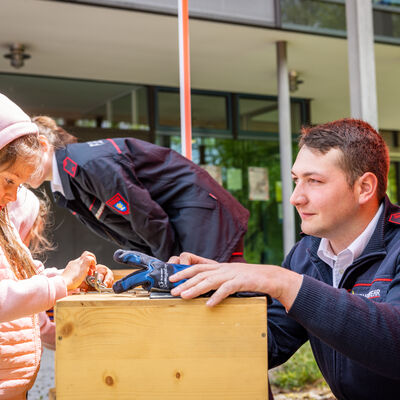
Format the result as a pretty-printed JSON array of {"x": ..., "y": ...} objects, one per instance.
[{"x": 109, "y": 68}]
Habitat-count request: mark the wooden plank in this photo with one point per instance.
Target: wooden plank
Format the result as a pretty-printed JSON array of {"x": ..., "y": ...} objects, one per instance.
[
  {"x": 52, "y": 394},
  {"x": 121, "y": 347}
]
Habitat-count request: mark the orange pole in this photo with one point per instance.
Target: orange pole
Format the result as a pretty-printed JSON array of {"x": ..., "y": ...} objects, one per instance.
[{"x": 184, "y": 79}]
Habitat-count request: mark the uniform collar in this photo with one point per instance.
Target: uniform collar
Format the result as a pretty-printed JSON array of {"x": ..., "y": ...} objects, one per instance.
[
  {"x": 61, "y": 179},
  {"x": 56, "y": 185},
  {"x": 355, "y": 249}
]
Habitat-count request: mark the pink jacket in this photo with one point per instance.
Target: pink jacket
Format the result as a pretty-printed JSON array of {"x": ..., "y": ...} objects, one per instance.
[{"x": 20, "y": 347}]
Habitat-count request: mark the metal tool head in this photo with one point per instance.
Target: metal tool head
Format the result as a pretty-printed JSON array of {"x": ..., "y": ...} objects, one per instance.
[{"x": 94, "y": 282}]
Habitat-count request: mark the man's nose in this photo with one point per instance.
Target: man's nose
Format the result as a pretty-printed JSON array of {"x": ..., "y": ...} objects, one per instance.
[{"x": 298, "y": 197}]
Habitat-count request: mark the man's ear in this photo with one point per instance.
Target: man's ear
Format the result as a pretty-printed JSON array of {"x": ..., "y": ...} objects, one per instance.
[{"x": 367, "y": 185}]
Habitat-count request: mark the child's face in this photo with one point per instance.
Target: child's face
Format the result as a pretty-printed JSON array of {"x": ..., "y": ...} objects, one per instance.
[{"x": 11, "y": 178}]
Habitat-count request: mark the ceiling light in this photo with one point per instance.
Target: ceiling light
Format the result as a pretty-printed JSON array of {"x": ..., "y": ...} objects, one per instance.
[{"x": 17, "y": 55}]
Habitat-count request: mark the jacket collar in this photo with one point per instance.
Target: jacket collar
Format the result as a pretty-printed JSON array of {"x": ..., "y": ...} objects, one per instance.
[{"x": 61, "y": 155}]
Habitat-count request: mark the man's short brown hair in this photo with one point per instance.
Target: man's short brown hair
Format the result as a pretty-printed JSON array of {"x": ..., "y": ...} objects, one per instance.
[{"x": 363, "y": 148}]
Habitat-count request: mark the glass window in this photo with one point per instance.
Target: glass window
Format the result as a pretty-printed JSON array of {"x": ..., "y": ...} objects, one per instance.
[
  {"x": 82, "y": 103},
  {"x": 261, "y": 115},
  {"x": 130, "y": 111},
  {"x": 329, "y": 17},
  {"x": 209, "y": 111},
  {"x": 314, "y": 15},
  {"x": 392, "y": 189},
  {"x": 387, "y": 24},
  {"x": 386, "y": 2}
]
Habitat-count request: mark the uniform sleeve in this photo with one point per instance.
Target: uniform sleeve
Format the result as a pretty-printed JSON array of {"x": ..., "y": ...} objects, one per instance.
[
  {"x": 145, "y": 216},
  {"x": 360, "y": 328},
  {"x": 22, "y": 298}
]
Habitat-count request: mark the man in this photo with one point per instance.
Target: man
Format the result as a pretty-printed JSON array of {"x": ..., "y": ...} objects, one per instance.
[{"x": 339, "y": 287}]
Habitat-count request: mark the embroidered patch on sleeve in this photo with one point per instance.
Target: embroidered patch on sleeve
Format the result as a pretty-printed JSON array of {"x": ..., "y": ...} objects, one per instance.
[
  {"x": 95, "y": 143},
  {"x": 118, "y": 203},
  {"x": 395, "y": 218},
  {"x": 70, "y": 166}
]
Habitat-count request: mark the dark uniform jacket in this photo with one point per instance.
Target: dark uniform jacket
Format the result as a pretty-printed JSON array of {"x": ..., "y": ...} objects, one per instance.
[
  {"x": 149, "y": 198},
  {"x": 354, "y": 330}
]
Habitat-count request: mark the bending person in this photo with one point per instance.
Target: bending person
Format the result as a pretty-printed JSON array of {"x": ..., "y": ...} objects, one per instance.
[
  {"x": 141, "y": 196},
  {"x": 339, "y": 287}
]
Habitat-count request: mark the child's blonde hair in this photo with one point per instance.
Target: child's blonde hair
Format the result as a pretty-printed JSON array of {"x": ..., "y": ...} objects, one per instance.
[
  {"x": 37, "y": 242},
  {"x": 28, "y": 149}
]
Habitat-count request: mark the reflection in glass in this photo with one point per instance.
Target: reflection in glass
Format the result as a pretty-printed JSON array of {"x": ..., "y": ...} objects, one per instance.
[
  {"x": 261, "y": 115},
  {"x": 314, "y": 15},
  {"x": 209, "y": 112}
]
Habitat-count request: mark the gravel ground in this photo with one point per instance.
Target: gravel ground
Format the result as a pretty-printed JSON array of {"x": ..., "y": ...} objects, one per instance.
[
  {"x": 309, "y": 393},
  {"x": 45, "y": 377}
]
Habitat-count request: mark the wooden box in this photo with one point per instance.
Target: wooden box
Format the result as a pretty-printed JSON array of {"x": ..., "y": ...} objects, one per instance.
[{"x": 122, "y": 347}]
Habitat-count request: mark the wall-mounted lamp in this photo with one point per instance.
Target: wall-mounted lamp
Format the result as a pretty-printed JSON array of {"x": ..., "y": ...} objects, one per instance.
[
  {"x": 17, "y": 55},
  {"x": 294, "y": 80}
]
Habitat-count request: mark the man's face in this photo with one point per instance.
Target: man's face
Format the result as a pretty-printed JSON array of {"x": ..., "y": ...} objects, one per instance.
[{"x": 322, "y": 196}]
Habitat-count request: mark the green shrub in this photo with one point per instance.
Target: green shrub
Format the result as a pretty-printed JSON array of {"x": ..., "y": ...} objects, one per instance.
[{"x": 300, "y": 370}]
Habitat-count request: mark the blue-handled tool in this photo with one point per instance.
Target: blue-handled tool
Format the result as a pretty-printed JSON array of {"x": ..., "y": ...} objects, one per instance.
[{"x": 153, "y": 273}]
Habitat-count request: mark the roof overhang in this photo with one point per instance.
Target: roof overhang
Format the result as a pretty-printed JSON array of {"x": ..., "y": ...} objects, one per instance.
[{"x": 88, "y": 42}]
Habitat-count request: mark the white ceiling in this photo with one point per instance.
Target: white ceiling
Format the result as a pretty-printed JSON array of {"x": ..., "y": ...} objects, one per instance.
[{"x": 87, "y": 42}]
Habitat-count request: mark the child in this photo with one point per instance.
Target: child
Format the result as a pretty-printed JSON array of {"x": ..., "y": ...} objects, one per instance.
[
  {"x": 29, "y": 216},
  {"x": 142, "y": 196},
  {"x": 25, "y": 290}
]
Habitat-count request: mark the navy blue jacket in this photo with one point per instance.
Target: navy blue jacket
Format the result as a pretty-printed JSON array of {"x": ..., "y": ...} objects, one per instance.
[
  {"x": 354, "y": 330},
  {"x": 149, "y": 198}
]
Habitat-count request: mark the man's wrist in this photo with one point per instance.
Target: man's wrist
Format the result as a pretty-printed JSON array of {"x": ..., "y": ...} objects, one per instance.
[{"x": 291, "y": 283}]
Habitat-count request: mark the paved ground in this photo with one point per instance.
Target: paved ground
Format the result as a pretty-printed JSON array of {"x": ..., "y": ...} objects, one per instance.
[{"x": 45, "y": 378}]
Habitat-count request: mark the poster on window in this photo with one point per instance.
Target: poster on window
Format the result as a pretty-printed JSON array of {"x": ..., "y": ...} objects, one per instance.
[
  {"x": 258, "y": 183},
  {"x": 234, "y": 179},
  {"x": 215, "y": 171}
]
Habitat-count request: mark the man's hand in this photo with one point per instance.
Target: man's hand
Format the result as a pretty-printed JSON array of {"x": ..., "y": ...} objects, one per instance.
[
  {"x": 152, "y": 273},
  {"x": 190, "y": 259},
  {"x": 227, "y": 279},
  {"x": 77, "y": 270}
]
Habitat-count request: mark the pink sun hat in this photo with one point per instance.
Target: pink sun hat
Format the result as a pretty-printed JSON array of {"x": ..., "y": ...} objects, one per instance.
[{"x": 14, "y": 123}]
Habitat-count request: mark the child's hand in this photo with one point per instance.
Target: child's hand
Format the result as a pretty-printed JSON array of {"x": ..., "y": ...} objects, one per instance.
[
  {"x": 77, "y": 270},
  {"x": 105, "y": 275}
]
